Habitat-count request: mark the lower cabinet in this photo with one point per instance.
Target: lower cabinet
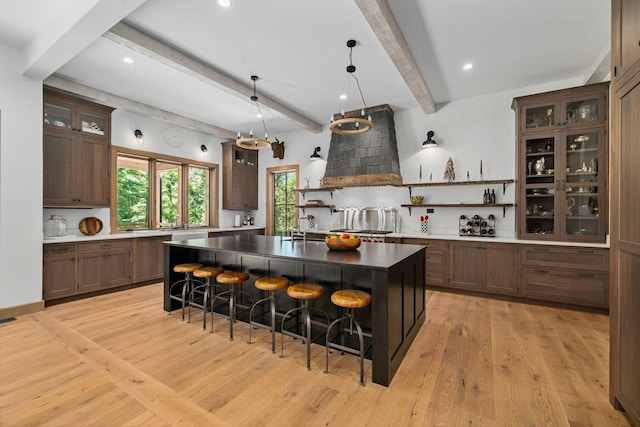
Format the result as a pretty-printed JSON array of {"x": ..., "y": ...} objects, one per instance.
[
  {"x": 564, "y": 274},
  {"x": 148, "y": 258},
  {"x": 436, "y": 258},
  {"x": 59, "y": 271},
  {"x": 573, "y": 275},
  {"x": 75, "y": 268},
  {"x": 103, "y": 265},
  {"x": 484, "y": 266}
]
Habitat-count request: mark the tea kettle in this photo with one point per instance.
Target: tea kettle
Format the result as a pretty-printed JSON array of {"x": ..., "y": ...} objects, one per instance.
[{"x": 55, "y": 226}]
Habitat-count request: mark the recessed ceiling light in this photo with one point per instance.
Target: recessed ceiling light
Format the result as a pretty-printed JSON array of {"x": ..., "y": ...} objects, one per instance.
[
  {"x": 224, "y": 3},
  {"x": 259, "y": 115},
  {"x": 467, "y": 66},
  {"x": 343, "y": 96},
  {"x": 127, "y": 60}
]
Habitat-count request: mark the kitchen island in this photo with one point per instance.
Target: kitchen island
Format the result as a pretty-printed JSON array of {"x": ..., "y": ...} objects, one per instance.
[{"x": 393, "y": 274}]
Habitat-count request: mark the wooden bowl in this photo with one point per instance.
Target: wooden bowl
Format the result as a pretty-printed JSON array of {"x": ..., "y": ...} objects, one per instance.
[{"x": 340, "y": 244}]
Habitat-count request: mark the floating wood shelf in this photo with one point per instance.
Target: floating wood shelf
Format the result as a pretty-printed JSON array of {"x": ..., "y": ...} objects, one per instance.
[
  {"x": 329, "y": 190},
  {"x": 504, "y": 183},
  {"x": 504, "y": 206},
  {"x": 303, "y": 207}
]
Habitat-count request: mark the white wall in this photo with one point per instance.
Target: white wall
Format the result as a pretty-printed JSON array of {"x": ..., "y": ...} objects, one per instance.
[{"x": 20, "y": 183}]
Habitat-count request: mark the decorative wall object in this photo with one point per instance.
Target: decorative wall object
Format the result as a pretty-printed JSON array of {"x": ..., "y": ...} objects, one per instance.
[{"x": 278, "y": 149}]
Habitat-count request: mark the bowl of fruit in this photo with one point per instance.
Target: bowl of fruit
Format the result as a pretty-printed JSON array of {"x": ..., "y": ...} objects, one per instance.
[
  {"x": 342, "y": 242},
  {"x": 417, "y": 200}
]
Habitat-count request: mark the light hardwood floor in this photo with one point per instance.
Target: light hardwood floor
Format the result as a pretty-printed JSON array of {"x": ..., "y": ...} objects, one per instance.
[{"x": 119, "y": 360}]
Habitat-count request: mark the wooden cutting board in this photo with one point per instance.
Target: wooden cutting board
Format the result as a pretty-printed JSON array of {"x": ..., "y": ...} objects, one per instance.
[{"x": 90, "y": 226}]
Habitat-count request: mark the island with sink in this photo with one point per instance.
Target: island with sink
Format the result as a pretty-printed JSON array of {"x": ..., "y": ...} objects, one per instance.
[{"x": 393, "y": 274}]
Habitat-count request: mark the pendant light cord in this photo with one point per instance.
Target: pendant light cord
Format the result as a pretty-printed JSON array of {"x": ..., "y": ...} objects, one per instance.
[
  {"x": 254, "y": 98},
  {"x": 353, "y": 74}
]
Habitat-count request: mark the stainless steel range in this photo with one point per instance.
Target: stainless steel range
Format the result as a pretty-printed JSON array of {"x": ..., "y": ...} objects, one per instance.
[{"x": 370, "y": 224}]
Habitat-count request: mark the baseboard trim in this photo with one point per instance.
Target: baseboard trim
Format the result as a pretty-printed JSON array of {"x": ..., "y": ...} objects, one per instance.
[{"x": 6, "y": 313}]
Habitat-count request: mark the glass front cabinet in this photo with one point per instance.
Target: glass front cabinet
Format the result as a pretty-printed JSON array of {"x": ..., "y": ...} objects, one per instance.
[{"x": 562, "y": 164}]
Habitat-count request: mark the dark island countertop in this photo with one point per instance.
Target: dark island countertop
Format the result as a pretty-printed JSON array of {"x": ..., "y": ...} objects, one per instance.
[{"x": 372, "y": 255}]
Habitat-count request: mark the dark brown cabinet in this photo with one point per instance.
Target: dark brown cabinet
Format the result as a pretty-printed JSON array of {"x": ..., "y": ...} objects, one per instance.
[
  {"x": 436, "y": 261},
  {"x": 76, "y": 143},
  {"x": 59, "y": 271},
  {"x": 76, "y": 268},
  {"x": 562, "y": 164},
  {"x": 571, "y": 275},
  {"x": 625, "y": 199},
  {"x": 239, "y": 177},
  {"x": 148, "y": 258},
  {"x": 475, "y": 266},
  {"x": 103, "y": 265},
  {"x": 625, "y": 40}
]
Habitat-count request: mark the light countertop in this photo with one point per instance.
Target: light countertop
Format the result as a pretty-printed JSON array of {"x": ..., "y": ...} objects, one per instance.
[{"x": 143, "y": 233}]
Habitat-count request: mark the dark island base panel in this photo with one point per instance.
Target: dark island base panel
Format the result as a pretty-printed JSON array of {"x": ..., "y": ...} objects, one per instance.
[{"x": 394, "y": 277}]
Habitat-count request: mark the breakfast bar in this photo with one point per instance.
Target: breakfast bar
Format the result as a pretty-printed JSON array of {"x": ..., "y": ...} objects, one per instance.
[{"x": 394, "y": 275}]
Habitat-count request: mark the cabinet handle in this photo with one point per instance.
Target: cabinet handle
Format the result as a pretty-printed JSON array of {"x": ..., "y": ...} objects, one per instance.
[
  {"x": 584, "y": 251},
  {"x": 542, "y": 271},
  {"x": 584, "y": 275},
  {"x": 60, "y": 250},
  {"x": 541, "y": 249}
]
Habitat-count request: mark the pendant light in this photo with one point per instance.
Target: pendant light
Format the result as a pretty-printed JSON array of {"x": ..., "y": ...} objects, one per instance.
[
  {"x": 250, "y": 142},
  {"x": 351, "y": 125}
]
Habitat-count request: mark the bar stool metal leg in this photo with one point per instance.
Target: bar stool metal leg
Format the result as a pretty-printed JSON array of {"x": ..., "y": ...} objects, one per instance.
[
  {"x": 271, "y": 285},
  {"x": 304, "y": 293},
  {"x": 349, "y": 299}
]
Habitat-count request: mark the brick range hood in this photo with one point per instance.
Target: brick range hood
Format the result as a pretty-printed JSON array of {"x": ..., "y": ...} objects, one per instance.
[{"x": 369, "y": 158}]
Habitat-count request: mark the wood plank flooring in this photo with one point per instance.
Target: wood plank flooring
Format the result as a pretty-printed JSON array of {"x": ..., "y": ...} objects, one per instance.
[{"x": 119, "y": 360}]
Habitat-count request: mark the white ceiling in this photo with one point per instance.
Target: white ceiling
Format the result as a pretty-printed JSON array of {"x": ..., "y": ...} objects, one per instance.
[{"x": 298, "y": 49}]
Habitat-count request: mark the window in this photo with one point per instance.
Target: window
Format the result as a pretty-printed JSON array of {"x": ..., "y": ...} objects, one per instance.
[
  {"x": 168, "y": 178},
  {"x": 284, "y": 201},
  {"x": 154, "y": 192},
  {"x": 198, "y": 195},
  {"x": 133, "y": 193}
]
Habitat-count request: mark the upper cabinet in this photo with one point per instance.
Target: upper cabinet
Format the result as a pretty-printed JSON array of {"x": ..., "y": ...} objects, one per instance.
[
  {"x": 66, "y": 113},
  {"x": 625, "y": 43},
  {"x": 562, "y": 164},
  {"x": 239, "y": 177},
  {"x": 76, "y": 143}
]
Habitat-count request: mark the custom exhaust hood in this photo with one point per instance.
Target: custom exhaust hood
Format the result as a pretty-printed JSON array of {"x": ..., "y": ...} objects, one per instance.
[{"x": 369, "y": 158}]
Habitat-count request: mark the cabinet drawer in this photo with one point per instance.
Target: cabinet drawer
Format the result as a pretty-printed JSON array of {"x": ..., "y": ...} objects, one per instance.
[
  {"x": 61, "y": 249},
  {"x": 104, "y": 245},
  {"x": 568, "y": 286},
  {"x": 593, "y": 259},
  {"x": 435, "y": 257}
]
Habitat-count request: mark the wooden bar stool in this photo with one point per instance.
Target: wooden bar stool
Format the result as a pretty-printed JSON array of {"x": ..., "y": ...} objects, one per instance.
[
  {"x": 349, "y": 299},
  {"x": 303, "y": 292},
  {"x": 271, "y": 285},
  {"x": 207, "y": 290},
  {"x": 187, "y": 283},
  {"x": 231, "y": 278}
]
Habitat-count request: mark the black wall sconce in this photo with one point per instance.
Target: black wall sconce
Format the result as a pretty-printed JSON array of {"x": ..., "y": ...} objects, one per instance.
[
  {"x": 139, "y": 136},
  {"x": 203, "y": 148},
  {"x": 430, "y": 142},
  {"x": 315, "y": 155}
]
